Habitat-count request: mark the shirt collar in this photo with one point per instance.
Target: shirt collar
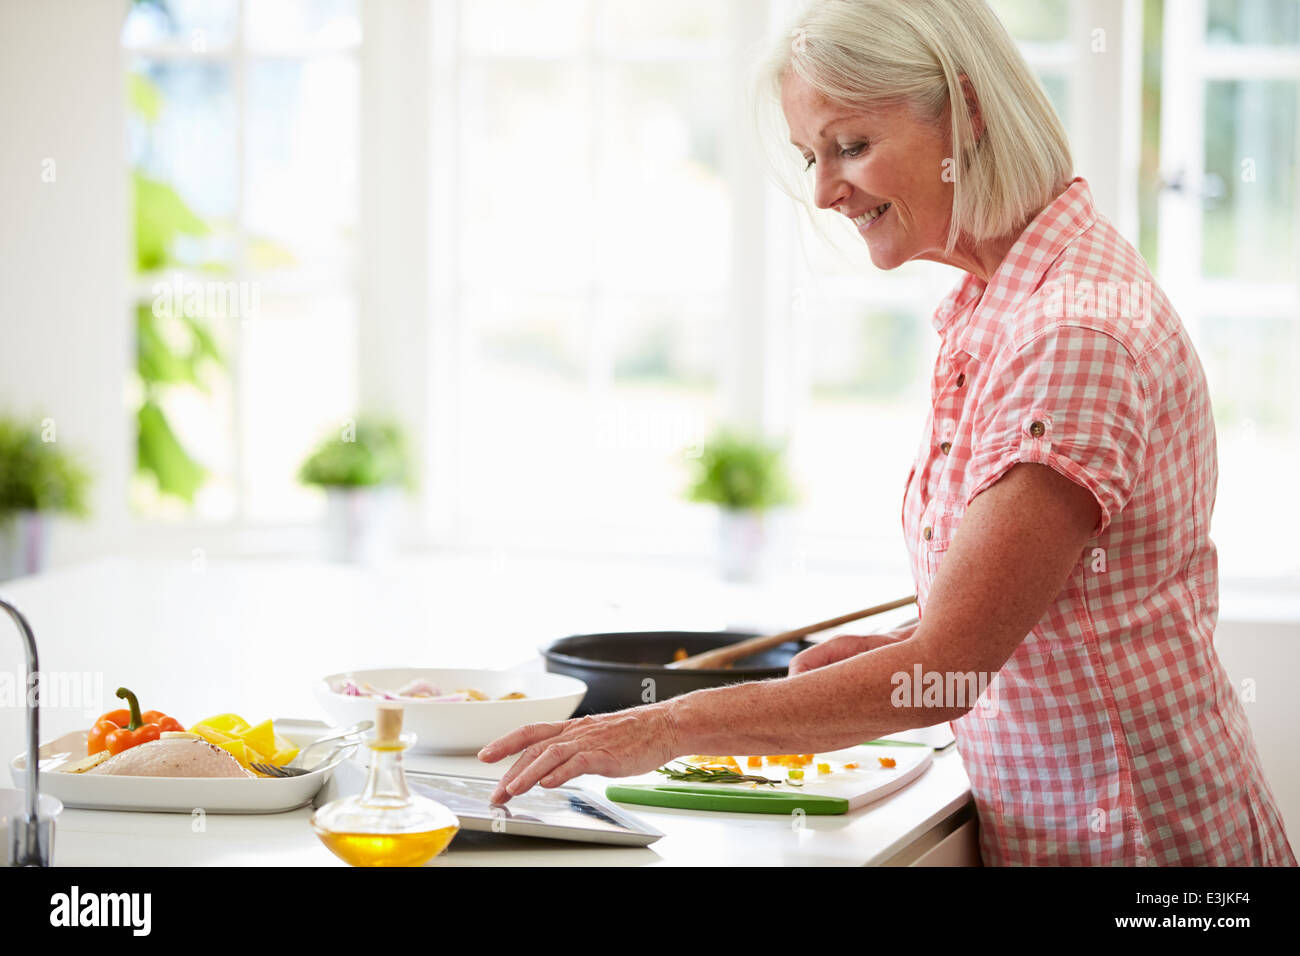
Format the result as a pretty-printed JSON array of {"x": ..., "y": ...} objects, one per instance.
[{"x": 974, "y": 311}]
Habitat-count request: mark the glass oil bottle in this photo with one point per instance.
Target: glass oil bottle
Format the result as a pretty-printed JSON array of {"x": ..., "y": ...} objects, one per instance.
[{"x": 386, "y": 824}]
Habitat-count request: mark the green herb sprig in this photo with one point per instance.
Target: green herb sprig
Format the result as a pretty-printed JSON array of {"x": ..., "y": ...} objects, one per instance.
[{"x": 711, "y": 775}]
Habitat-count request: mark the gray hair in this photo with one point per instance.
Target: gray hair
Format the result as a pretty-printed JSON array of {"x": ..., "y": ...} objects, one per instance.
[{"x": 864, "y": 54}]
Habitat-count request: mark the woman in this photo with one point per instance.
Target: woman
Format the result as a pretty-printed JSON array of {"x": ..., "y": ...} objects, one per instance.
[{"x": 1057, "y": 513}]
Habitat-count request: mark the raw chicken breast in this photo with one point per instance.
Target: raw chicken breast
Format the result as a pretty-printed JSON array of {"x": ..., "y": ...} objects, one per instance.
[{"x": 173, "y": 757}]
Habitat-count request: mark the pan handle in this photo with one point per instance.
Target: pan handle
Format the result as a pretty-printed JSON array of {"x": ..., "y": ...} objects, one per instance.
[{"x": 722, "y": 656}]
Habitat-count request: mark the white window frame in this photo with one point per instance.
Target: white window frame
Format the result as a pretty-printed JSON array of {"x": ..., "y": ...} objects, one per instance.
[{"x": 236, "y": 533}]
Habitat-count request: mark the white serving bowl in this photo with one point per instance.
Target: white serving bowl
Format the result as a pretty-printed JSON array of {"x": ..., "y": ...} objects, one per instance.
[{"x": 457, "y": 727}]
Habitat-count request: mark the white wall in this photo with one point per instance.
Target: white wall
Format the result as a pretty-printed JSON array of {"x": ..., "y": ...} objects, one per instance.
[{"x": 64, "y": 339}]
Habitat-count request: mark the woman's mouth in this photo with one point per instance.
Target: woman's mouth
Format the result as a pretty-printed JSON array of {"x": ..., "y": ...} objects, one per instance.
[{"x": 868, "y": 219}]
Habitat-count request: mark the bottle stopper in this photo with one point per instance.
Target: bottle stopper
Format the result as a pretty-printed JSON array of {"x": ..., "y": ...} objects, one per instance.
[{"x": 388, "y": 723}]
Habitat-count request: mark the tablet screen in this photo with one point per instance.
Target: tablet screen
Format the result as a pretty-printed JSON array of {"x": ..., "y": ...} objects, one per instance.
[{"x": 568, "y": 812}]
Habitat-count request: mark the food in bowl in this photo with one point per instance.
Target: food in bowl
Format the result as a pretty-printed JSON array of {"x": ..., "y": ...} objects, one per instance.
[
  {"x": 506, "y": 701},
  {"x": 417, "y": 689}
]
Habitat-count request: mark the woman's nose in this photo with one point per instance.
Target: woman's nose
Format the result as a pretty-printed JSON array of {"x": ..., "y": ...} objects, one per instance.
[{"x": 830, "y": 191}]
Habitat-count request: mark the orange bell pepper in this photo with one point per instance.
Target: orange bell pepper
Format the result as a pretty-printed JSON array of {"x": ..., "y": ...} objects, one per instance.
[{"x": 120, "y": 730}]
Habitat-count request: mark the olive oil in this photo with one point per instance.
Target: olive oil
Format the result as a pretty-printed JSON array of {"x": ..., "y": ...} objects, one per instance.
[
  {"x": 386, "y": 825},
  {"x": 387, "y": 849}
]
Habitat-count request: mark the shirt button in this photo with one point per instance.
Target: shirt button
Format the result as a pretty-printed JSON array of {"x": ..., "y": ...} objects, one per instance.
[
  {"x": 1036, "y": 429},
  {"x": 961, "y": 379},
  {"x": 946, "y": 447},
  {"x": 927, "y": 533}
]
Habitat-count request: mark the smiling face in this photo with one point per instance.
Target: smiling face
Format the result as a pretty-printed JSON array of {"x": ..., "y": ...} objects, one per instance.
[{"x": 866, "y": 160}]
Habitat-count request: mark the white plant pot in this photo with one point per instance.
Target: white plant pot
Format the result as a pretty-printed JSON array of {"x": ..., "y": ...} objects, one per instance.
[
  {"x": 359, "y": 524},
  {"x": 25, "y": 544},
  {"x": 742, "y": 544}
]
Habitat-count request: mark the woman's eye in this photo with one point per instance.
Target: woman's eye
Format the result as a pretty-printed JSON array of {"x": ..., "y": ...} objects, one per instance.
[{"x": 849, "y": 152}]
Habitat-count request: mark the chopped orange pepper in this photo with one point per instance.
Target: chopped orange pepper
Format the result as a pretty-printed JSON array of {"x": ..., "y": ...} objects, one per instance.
[
  {"x": 715, "y": 763},
  {"x": 887, "y": 761},
  {"x": 754, "y": 762}
]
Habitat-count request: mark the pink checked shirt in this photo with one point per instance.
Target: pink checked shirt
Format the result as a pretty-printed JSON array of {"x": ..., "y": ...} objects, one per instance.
[{"x": 1112, "y": 735}]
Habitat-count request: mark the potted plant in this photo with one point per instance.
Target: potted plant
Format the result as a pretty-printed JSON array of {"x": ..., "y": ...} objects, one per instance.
[
  {"x": 37, "y": 480},
  {"x": 362, "y": 468},
  {"x": 745, "y": 477}
]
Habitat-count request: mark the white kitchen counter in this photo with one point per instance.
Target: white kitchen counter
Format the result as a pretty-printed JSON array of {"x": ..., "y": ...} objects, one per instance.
[{"x": 251, "y": 637}]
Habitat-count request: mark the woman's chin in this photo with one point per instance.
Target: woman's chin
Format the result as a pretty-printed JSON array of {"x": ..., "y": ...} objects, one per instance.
[{"x": 884, "y": 256}]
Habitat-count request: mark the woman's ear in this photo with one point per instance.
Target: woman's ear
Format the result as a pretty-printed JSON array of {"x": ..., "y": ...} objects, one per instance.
[{"x": 973, "y": 107}]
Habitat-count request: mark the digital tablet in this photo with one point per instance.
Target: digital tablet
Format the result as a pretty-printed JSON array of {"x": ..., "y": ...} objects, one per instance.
[{"x": 561, "y": 813}]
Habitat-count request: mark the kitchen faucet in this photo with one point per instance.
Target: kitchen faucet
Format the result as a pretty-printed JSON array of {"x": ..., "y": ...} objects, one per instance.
[{"x": 30, "y": 839}]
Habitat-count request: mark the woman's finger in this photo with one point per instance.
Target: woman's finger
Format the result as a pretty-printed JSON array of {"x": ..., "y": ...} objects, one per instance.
[
  {"x": 544, "y": 763},
  {"x": 575, "y": 766},
  {"x": 517, "y": 740},
  {"x": 525, "y": 759}
]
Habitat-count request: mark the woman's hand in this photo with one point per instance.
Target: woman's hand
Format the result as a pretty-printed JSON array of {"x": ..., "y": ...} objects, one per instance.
[
  {"x": 840, "y": 647},
  {"x": 613, "y": 745}
]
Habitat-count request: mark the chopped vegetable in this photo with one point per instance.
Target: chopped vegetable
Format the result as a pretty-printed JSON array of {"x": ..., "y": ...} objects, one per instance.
[
  {"x": 790, "y": 760},
  {"x": 754, "y": 762},
  {"x": 795, "y": 774},
  {"x": 823, "y": 768},
  {"x": 244, "y": 742},
  {"x": 887, "y": 761}
]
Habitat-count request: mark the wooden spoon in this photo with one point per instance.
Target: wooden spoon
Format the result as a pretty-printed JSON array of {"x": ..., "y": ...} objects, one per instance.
[{"x": 722, "y": 656}]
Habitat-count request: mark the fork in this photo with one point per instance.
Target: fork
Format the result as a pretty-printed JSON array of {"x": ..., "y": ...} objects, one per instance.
[{"x": 271, "y": 770}]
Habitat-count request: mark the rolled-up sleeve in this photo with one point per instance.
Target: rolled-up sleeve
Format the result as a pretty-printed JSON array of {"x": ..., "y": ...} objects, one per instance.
[{"x": 1071, "y": 398}]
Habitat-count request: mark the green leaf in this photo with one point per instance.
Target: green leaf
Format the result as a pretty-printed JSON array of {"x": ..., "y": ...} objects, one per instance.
[
  {"x": 38, "y": 475},
  {"x": 144, "y": 97},
  {"x": 156, "y": 362},
  {"x": 373, "y": 453},
  {"x": 160, "y": 216},
  {"x": 160, "y": 454},
  {"x": 740, "y": 472}
]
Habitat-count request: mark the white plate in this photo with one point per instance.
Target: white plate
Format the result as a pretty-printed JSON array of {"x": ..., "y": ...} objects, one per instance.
[
  {"x": 91, "y": 791},
  {"x": 458, "y": 727}
]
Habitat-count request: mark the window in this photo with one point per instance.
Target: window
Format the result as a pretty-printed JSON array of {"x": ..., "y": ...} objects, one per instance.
[
  {"x": 1229, "y": 252},
  {"x": 594, "y": 228},
  {"x": 243, "y": 136}
]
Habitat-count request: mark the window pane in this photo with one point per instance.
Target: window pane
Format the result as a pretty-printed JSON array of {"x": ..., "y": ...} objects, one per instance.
[
  {"x": 273, "y": 24},
  {"x": 664, "y": 207},
  {"x": 1033, "y": 21},
  {"x": 1270, "y": 22},
  {"x": 1250, "y": 363},
  {"x": 1250, "y": 145},
  {"x": 181, "y": 131},
  {"x": 202, "y": 24},
  {"x": 857, "y": 431},
  {"x": 541, "y": 444},
  {"x": 194, "y": 424},
  {"x": 668, "y": 340},
  {"x": 501, "y": 27},
  {"x": 526, "y": 193},
  {"x": 298, "y": 380},
  {"x": 695, "y": 25},
  {"x": 301, "y": 156}
]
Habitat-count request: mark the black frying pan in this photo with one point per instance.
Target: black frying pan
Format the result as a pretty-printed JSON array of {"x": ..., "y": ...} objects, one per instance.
[{"x": 617, "y": 666}]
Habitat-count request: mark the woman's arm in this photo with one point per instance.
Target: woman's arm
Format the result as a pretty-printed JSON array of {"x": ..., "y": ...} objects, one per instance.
[{"x": 1014, "y": 550}]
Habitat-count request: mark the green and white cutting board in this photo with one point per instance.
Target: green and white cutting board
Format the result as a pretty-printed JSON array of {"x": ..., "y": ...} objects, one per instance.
[{"x": 836, "y": 792}]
